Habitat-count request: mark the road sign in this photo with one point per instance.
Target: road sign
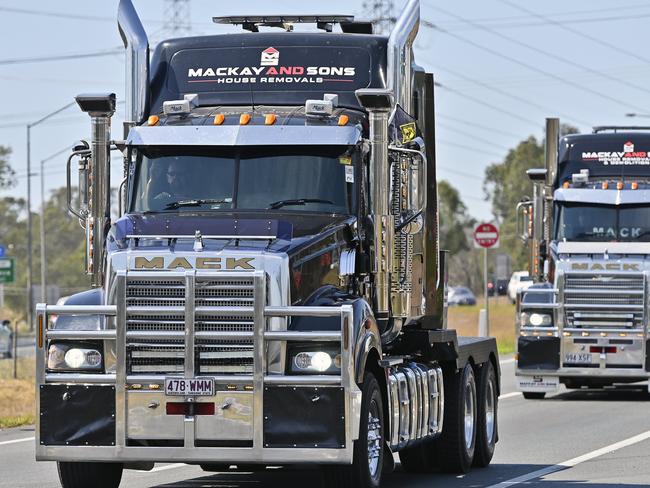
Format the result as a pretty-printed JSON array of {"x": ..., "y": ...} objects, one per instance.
[
  {"x": 486, "y": 235},
  {"x": 2, "y": 251},
  {"x": 7, "y": 268}
]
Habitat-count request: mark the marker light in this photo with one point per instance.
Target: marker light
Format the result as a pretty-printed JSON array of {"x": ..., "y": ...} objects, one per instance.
[
  {"x": 605, "y": 185},
  {"x": 343, "y": 120},
  {"x": 218, "y": 119},
  {"x": 620, "y": 185},
  {"x": 269, "y": 119},
  {"x": 634, "y": 185},
  {"x": 566, "y": 184},
  {"x": 152, "y": 120},
  {"x": 244, "y": 119}
]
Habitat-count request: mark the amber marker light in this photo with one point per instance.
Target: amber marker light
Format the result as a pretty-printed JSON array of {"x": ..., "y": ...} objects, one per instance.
[
  {"x": 244, "y": 119},
  {"x": 566, "y": 185},
  {"x": 219, "y": 119},
  {"x": 634, "y": 185},
  {"x": 269, "y": 119},
  {"x": 605, "y": 185},
  {"x": 40, "y": 331},
  {"x": 620, "y": 185},
  {"x": 152, "y": 120},
  {"x": 343, "y": 120}
]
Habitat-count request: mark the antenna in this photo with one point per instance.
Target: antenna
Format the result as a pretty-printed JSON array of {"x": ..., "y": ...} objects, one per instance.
[
  {"x": 381, "y": 13},
  {"x": 177, "y": 18}
]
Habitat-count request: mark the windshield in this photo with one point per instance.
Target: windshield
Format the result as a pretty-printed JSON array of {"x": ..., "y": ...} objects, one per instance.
[
  {"x": 303, "y": 178},
  {"x": 599, "y": 223}
]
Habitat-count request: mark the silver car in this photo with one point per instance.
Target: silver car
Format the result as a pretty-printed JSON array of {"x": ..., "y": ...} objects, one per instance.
[{"x": 6, "y": 339}]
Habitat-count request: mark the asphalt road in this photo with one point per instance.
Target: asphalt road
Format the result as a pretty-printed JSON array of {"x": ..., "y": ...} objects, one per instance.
[{"x": 600, "y": 439}]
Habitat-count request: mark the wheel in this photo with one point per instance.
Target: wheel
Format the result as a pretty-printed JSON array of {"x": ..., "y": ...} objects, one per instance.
[
  {"x": 83, "y": 475},
  {"x": 368, "y": 451},
  {"x": 487, "y": 431},
  {"x": 454, "y": 449},
  {"x": 534, "y": 395}
]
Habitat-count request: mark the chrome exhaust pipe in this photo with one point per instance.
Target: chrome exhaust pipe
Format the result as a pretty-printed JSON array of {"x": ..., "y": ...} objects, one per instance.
[
  {"x": 136, "y": 44},
  {"x": 400, "y": 55}
]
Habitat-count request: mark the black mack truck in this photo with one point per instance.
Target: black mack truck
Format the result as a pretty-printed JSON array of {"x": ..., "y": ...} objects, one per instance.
[{"x": 272, "y": 293}]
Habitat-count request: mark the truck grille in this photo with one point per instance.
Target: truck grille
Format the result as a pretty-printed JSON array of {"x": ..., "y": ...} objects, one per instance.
[
  {"x": 604, "y": 301},
  {"x": 167, "y": 356}
]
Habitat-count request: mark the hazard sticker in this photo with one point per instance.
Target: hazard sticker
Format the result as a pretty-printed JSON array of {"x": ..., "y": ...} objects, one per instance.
[{"x": 408, "y": 132}]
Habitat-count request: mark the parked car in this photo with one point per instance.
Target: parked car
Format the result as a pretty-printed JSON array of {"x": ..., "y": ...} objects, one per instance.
[
  {"x": 520, "y": 280},
  {"x": 460, "y": 295},
  {"x": 6, "y": 339},
  {"x": 502, "y": 286}
]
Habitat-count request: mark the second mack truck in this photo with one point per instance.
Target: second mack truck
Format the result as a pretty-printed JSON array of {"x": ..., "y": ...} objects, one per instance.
[
  {"x": 272, "y": 292},
  {"x": 585, "y": 321}
]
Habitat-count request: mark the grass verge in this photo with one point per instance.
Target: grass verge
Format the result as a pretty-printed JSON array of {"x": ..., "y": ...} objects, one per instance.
[
  {"x": 502, "y": 323},
  {"x": 16, "y": 395}
]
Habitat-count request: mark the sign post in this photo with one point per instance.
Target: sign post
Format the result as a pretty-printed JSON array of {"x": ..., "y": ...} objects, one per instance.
[{"x": 486, "y": 236}]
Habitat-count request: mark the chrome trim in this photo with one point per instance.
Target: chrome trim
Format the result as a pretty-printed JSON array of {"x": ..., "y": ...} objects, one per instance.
[
  {"x": 81, "y": 378},
  {"x": 302, "y": 336},
  {"x": 120, "y": 360},
  {"x": 189, "y": 333},
  {"x": 400, "y": 55},
  {"x": 217, "y": 237},
  {"x": 243, "y": 135},
  {"x": 259, "y": 361}
]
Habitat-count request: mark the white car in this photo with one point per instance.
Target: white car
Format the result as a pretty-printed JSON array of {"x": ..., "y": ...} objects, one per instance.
[
  {"x": 520, "y": 280},
  {"x": 6, "y": 339}
]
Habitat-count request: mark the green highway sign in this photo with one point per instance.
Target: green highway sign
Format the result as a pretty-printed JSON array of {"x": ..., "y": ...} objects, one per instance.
[{"x": 7, "y": 270}]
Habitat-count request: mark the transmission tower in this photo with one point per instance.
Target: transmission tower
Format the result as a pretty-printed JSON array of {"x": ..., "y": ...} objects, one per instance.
[
  {"x": 381, "y": 13},
  {"x": 177, "y": 18}
]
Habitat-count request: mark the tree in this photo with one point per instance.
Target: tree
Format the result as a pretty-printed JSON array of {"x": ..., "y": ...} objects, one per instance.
[
  {"x": 7, "y": 174},
  {"x": 454, "y": 219}
]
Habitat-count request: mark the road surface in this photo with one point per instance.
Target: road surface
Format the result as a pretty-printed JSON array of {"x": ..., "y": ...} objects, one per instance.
[{"x": 598, "y": 439}]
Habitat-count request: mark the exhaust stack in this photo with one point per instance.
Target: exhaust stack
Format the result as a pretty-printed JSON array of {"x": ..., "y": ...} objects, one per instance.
[
  {"x": 400, "y": 55},
  {"x": 136, "y": 44}
]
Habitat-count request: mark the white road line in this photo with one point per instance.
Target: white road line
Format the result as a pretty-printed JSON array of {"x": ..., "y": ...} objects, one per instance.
[
  {"x": 509, "y": 395},
  {"x": 15, "y": 441},
  {"x": 574, "y": 461},
  {"x": 166, "y": 467}
]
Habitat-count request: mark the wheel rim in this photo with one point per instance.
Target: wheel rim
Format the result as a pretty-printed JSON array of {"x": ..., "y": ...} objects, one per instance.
[
  {"x": 469, "y": 415},
  {"x": 489, "y": 411},
  {"x": 374, "y": 439}
]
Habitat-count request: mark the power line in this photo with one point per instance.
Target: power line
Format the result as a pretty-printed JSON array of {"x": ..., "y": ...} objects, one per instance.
[
  {"x": 556, "y": 57},
  {"x": 483, "y": 102},
  {"x": 381, "y": 14},
  {"x": 514, "y": 97},
  {"x": 177, "y": 15},
  {"x": 529, "y": 66},
  {"x": 468, "y": 148},
  {"x": 63, "y": 57},
  {"x": 575, "y": 32},
  {"x": 473, "y": 136},
  {"x": 480, "y": 126}
]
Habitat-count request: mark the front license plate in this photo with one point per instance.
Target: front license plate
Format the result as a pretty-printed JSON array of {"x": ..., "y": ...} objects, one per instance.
[
  {"x": 577, "y": 357},
  {"x": 189, "y": 386}
]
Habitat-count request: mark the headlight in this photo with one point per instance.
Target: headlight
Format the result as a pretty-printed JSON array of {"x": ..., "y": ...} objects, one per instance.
[
  {"x": 536, "y": 319},
  {"x": 304, "y": 359},
  {"x": 65, "y": 357}
]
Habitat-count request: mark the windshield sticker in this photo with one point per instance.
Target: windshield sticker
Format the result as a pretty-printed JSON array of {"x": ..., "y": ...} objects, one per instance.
[
  {"x": 349, "y": 174},
  {"x": 615, "y": 158}
]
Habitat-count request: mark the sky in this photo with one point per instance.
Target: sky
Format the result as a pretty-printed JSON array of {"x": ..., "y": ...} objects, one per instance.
[{"x": 502, "y": 66}]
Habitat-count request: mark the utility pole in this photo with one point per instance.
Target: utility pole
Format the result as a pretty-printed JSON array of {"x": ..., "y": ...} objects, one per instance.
[
  {"x": 177, "y": 18},
  {"x": 381, "y": 13}
]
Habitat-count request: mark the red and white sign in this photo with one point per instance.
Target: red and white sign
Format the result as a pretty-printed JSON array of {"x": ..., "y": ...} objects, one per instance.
[
  {"x": 270, "y": 57},
  {"x": 486, "y": 235}
]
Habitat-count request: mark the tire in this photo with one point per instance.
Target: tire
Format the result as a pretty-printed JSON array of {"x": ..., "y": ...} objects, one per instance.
[
  {"x": 534, "y": 395},
  {"x": 84, "y": 475},
  {"x": 454, "y": 449},
  {"x": 362, "y": 473},
  {"x": 487, "y": 431}
]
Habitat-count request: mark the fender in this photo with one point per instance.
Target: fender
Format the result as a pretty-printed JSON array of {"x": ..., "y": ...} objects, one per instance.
[{"x": 79, "y": 322}]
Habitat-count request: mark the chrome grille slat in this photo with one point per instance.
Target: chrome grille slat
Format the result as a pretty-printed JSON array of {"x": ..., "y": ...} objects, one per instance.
[
  {"x": 157, "y": 306},
  {"x": 601, "y": 300}
]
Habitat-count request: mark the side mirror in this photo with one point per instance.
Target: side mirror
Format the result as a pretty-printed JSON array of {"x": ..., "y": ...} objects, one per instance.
[
  {"x": 524, "y": 215},
  {"x": 82, "y": 151},
  {"x": 408, "y": 188}
]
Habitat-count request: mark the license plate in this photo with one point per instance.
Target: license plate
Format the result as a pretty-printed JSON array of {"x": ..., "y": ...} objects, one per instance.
[
  {"x": 189, "y": 386},
  {"x": 538, "y": 383},
  {"x": 577, "y": 357}
]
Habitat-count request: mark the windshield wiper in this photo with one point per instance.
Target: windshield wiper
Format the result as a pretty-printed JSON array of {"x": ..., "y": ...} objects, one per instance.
[
  {"x": 298, "y": 201},
  {"x": 193, "y": 203}
]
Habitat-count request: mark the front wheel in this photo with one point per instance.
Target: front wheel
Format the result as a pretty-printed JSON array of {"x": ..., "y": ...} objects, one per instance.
[
  {"x": 368, "y": 457},
  {"x": 84, "y": 475}
]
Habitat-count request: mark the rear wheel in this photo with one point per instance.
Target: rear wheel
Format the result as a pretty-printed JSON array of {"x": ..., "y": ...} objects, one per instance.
[
  {"x": 83, "y": 475},
  {"x": 487, "y": 431},
  {"x": 368, "y": 457},
  {"x": 534, "y": 395},
  {"x": 454, "y": 449}
]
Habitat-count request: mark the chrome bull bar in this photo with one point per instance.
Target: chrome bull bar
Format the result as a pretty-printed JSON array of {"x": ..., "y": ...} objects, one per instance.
[{"x": 258, "y": 379}]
